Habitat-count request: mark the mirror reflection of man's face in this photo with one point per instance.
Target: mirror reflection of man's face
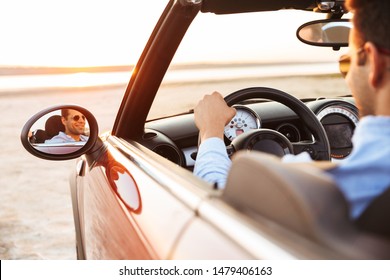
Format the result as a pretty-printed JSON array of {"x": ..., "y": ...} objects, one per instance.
[{"x": 74, "y": 123}]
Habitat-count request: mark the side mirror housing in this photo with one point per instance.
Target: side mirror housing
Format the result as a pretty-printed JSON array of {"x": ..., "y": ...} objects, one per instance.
[{"x": 44, "y": 135}]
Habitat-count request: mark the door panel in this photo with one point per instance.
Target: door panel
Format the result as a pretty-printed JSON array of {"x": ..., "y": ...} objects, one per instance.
[
  {"x": 212, "y": 244},
  {"x": 128, "y": 214}
]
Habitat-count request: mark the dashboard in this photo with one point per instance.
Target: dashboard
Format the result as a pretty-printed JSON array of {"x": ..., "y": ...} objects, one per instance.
[{"x": 176, "y": 138}]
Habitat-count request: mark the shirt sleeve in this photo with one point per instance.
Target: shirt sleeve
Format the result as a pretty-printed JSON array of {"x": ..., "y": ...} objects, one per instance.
[
  {"x": 212, "y": 162},
  {"x": 302, "y": 157}
]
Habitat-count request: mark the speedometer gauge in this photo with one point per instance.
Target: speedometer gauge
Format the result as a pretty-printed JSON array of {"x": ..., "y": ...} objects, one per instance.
[{"x": 244, "y": 120}]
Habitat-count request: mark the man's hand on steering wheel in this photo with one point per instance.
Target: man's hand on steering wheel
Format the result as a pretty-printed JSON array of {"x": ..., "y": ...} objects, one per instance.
[{"x": 211, "y": 115}]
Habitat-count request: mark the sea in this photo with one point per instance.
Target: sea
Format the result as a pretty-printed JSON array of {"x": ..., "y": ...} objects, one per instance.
[{"x": 16, "y": 80}]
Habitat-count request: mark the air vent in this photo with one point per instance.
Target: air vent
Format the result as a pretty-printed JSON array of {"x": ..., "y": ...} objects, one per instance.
[
  {"x": 290, "y": 131},
  {"x": 149, "y": 135}
]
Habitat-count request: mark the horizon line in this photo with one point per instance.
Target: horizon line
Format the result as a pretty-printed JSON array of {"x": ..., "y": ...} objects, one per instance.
[{"x": 10, "y": 70}]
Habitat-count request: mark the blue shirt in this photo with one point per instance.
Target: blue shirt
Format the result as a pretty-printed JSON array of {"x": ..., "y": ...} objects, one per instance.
[
  {"x": 62, "y": 137},
  {"x": 361, "y": 177}
]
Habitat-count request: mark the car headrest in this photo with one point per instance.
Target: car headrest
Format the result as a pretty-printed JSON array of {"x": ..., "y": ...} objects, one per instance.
[
  {"x": 299, "y": 197},
  {"x": 54, "y": 125}
]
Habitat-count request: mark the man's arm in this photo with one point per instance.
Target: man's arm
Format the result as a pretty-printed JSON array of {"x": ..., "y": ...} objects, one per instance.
[{"x": 212, "y": 162}]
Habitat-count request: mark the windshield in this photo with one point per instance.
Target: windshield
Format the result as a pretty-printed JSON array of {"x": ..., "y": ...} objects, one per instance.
[{"x": 226, "y": 53}]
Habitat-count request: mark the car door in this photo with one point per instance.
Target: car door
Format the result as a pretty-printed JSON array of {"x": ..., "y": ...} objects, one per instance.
[{"x": 133, "y": 206}]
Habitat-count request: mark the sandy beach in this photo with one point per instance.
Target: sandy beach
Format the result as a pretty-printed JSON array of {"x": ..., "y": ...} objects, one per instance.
[{"x": 36, "y": 220}]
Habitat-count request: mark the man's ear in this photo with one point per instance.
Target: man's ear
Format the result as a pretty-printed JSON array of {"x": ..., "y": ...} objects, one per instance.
[
  {"x": 63, "y": 120},
  {"x": 377, "y": 65}
]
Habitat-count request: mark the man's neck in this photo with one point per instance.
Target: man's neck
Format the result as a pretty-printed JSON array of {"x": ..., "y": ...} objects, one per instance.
[
  {"x": 383, "y": 98},
  {"x": 74, "y": 136}
]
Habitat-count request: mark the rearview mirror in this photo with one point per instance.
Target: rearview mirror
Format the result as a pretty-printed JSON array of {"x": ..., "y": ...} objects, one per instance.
[
  {"x": 60, "y": 132},
  {"x": 325, "y": 33}
]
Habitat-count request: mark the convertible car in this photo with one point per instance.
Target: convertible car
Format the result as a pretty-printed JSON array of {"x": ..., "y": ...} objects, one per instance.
[{"x": 133, "y": 191}]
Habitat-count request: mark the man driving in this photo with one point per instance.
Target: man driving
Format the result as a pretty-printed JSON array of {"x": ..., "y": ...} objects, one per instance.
[
  {"x": 74, "y": 123},
  {"x": 365, "y": 174}
]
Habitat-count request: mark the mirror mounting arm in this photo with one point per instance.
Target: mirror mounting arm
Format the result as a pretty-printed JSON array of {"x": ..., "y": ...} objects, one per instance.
[
  {"x": 94, "y": 153},
  {"x": 334, "y": 8}
]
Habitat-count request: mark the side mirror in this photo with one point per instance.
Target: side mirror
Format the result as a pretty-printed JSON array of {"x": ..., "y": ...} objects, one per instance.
[
  {"x": 325, "y": 33},
  {"x": 50, "y": 135}
]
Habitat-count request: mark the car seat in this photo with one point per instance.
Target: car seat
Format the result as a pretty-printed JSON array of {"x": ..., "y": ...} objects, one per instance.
[
  {"x": 376, "y": 217},
  {"x": 53, "y": 126},
  {"x": 304, "y": 200},
  {"x": 39, "y": 136}
]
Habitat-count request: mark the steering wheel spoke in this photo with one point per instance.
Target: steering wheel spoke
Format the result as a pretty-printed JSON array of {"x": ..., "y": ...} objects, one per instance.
[{"x": 316, "y": 150}]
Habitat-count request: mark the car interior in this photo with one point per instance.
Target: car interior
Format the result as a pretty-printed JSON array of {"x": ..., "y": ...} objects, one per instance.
[{"x": 299, "y": 197}]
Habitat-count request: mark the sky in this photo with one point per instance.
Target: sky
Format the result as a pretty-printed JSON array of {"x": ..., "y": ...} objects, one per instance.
[
  {"x": 82, "y": 33},
  {"x": 75, "y": 32}
]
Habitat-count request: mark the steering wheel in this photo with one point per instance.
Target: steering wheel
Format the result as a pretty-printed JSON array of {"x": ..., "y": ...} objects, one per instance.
[{"x": 271, "y": 141}]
